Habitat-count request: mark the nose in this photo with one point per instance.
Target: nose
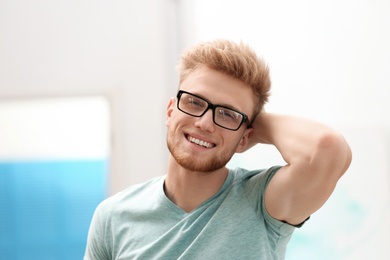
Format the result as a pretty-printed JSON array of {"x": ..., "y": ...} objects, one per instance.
[{"x": 206, "y": 122}]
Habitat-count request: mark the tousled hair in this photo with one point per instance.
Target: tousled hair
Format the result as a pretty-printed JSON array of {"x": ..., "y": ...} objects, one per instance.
[{"x": 237, "y": 60}]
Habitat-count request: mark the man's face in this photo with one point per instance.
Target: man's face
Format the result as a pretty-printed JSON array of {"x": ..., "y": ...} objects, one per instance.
[{"x": 196, "y": 143}]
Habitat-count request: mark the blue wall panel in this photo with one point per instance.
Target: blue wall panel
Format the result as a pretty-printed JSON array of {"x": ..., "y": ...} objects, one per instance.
[{"x": 46, "y": 207}]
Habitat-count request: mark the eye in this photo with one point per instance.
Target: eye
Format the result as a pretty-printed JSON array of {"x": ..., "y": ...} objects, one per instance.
[
  {"x": 228, "y": 115},
  {"x": 195, "y": 102}
]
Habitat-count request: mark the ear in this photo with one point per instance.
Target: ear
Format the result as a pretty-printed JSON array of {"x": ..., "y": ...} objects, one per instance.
[
  {"x": 244, "y": 140},
  {"x": 170, "y": 106}
]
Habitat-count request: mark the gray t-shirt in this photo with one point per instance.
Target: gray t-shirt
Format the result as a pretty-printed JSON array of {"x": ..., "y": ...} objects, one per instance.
[{"x": 142, "y": 223}]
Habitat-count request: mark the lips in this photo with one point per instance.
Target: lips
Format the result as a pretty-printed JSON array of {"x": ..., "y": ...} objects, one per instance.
[{"x": 200, "y": 142}]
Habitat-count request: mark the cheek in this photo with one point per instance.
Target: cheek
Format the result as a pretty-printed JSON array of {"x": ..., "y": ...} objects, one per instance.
[
  {"x": 174, "y": 118},
  {"x": 234, "y": 141},
  {"x": 171, "y": 117}
]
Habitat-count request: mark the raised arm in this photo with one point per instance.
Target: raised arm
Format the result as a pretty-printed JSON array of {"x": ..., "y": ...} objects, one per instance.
[{"x": 316, "y": 158}]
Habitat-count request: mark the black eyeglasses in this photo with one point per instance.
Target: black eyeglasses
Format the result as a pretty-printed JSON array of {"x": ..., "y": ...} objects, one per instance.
[{"x": 197, "y": 106}]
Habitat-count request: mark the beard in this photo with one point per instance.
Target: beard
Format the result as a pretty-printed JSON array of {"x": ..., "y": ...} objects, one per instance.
[{"x": 197, "y": 164}]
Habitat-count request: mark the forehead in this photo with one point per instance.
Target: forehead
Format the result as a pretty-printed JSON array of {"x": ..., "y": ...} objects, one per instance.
[{"x": 220, "y": 89}]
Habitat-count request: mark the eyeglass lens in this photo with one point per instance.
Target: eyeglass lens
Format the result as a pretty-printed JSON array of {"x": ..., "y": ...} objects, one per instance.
[{"x": 197, "y": 106}]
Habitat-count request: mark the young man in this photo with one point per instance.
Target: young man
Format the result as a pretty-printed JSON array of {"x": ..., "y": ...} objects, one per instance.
[{"x": 202, "y": 210}]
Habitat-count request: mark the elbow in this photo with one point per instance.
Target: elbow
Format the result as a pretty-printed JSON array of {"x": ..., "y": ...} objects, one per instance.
[{"x": 334, "y": 152}]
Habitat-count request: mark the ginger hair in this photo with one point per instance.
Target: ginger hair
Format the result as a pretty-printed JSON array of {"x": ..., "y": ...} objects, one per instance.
[{"x": 236, "y": 60}]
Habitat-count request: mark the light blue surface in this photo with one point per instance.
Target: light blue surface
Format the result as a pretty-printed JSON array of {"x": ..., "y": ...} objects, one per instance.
[{"x": 46, "y": 207}]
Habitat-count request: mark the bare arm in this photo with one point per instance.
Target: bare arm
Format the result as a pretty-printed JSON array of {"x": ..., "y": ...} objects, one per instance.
[{"x": 316, "y": 158}]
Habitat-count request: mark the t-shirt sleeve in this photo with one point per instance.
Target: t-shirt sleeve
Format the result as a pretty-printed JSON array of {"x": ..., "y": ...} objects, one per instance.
[
  {"x": 96, "y": 248},
  {"x": 255, "y": 186}
]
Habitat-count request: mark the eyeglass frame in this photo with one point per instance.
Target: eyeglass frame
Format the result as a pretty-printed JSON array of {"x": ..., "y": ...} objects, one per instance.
[{"x": 211, "y": 106}]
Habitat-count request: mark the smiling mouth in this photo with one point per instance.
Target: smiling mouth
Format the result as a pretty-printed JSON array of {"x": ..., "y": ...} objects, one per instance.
[{"x": 200, "y": 142}]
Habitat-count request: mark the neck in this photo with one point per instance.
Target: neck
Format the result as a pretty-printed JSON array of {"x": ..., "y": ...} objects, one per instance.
[{"x": 189, "y": 189}]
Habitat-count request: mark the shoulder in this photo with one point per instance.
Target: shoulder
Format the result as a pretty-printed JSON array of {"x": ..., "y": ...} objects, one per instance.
[
  {"x": 140, "y": 188},
  {"x": 128, "y": 197},
  {"x": 253, "y": 177},
  {"x": 252, "y": 183},
  {"x": 113, "y": 213}
]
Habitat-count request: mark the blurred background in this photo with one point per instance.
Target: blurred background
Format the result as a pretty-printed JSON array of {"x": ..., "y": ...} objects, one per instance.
[{"x": 84, "y": 87}]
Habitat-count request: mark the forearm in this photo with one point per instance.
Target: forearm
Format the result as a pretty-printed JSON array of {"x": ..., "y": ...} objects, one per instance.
[{"x": 298, "y": 140}]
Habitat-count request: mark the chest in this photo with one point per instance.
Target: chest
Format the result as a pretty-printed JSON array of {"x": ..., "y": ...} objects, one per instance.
[{"x": 222, "y": 227}]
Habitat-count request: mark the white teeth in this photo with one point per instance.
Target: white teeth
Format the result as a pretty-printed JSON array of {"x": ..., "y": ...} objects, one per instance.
[{"x": 200, "y": 142}]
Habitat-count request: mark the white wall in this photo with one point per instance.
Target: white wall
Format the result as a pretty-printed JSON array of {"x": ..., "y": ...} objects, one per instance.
[
  {"x": 123, "y": 50},
  {"x": 329, "y": 61}
]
